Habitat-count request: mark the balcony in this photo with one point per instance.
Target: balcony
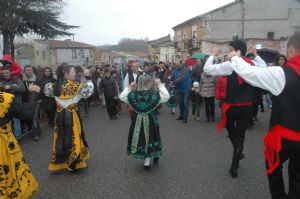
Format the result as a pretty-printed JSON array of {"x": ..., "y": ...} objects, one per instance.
[{"x": 193, "y": 44}]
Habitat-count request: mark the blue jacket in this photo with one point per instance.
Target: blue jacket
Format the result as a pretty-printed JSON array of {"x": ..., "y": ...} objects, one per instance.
[{"x": 181, "y": 78}]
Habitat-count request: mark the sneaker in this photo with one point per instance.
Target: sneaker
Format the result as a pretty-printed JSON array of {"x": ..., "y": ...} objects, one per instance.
[
  {"x": 147, "y": 162},
  {"x": 184, "y": 121},
  {"x": 172, "y": 112},
  {"x": 198, "y": 118}
]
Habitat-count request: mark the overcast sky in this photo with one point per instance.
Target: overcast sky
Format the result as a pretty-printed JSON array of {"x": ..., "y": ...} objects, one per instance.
[{"x": 107, "y": 21}]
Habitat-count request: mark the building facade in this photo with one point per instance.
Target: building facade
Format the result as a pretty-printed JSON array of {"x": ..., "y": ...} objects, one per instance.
[
  {"x": 102, "y": 56},
  {"x": 55, "y": 52},
  {"x": 263, "y": 22}
]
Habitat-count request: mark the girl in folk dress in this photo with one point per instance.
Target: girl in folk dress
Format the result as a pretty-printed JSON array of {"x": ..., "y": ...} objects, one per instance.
[
  {"x": 144, "y": 140},
  {"x": 70, "y": 149}
]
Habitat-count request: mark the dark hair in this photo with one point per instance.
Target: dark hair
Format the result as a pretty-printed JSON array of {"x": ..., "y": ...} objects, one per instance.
[
  {"x": 27, "y": 66},
  {"x": 47, "y": 68},
  {"x": 107, "y": 70},
  {"x": 146, "y": 64},
  {"x": 60, "y": 72},
  {"x": 239, "y": 45},
  {"x": 295, "y": 41},
  {"x": 277, "y": 59}
]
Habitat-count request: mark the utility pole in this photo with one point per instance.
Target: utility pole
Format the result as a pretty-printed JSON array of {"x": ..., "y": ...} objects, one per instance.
[{"x": 243, "y": 18}]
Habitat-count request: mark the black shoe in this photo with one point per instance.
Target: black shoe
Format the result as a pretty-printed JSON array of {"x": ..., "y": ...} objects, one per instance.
[
  {"x": 172, "y": 113},
  {"x": 212, "y": 119},
  {"x": 179, "y": 118},
  {"x": 207, "y": 120},
  {"x": 184, "y": 121},
  {"x": 233, "y": 173},
  {"x": 155, "y": 160}
]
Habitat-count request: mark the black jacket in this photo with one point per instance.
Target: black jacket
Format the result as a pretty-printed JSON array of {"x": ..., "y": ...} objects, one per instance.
[{"x": 109, "y": 87}]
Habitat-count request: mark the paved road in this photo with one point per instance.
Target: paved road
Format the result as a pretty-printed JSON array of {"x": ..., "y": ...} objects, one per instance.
[{"x": 195, "y": 163}]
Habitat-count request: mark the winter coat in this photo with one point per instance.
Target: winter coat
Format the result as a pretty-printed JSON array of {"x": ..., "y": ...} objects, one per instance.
[
  {"x": 196, "y": 97},
  {"x": 109, "y": 87},
  {"x": 221, "y": 88},
  {"x": 207, "y": 85},
  {"x": 16, "y": 87},
  {"x": 181, "y": 78}
]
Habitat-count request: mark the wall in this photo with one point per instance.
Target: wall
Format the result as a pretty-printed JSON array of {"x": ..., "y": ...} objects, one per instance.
[
  {"x": 65, "y": 55},
  {"x": 167, "y": 54},
  {"x": 276, "y": 16},
  {"x": 41, "y": 54}
]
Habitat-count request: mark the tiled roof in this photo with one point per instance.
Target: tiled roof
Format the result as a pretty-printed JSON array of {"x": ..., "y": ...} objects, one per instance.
[
  {"x": 138, "y": 54},
  {"x": 68, "y": 44}
]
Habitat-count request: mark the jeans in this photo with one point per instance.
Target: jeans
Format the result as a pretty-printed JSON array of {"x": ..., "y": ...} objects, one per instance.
[
  {"x": 17, "y": 128},
  {"x": 269, "y": 100},
  {"x": 36, "y": 128},
  {"x": 183, "y": 101}
]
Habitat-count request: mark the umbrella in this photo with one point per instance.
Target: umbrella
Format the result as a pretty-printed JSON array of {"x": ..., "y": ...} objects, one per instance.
[
  {"x": 268, "y": 55},
  {"x": 190, "y": 62},
  {"x": 199, "y": 56}
]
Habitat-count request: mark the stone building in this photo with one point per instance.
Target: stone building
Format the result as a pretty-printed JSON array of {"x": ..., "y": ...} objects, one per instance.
[{"x": 264, "y": 23}]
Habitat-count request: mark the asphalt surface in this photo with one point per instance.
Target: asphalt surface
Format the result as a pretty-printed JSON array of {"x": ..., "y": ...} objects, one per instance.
[{"x": 194, "y": 164}]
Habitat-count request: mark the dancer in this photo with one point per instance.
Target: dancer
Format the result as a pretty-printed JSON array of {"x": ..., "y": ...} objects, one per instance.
[
  {"x": 144, "y": 140},
  {"x": 237, "y": 109},
  {"x": 282, "y": 142},
  {"x": 70, "y": 149},
  {"x": 16, "y": 179}
]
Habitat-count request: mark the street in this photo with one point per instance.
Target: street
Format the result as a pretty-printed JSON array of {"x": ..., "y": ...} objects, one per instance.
[{"x": 195, "y": 162}]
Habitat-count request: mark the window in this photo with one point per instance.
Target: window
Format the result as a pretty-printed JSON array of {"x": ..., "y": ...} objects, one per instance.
[
  {"x": 184, "y": 37},
  {"x": 81, "y": 53},
  {"x": 194, "y": 31},
  {"x": 271, "y": 35},
  {"x": 91, "y": 53},
  {"x": 37, "y": 53},
  {"x": 74, "y": 55}
]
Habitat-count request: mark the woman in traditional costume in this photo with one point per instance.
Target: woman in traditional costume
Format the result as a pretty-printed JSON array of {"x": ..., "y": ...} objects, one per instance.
[
  {"x": 70, "y": 149},
  {"x": 144, "y": 142},
  {"x": 16, "y": 179}
]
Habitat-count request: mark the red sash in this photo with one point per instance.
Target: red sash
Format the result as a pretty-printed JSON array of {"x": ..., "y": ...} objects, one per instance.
[
  {"x": 272, "y": 144},
  {"x": 225, "y": 108}
]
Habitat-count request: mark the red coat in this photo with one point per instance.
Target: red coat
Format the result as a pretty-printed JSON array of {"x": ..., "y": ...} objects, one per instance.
[
  {"x": 221, "y": 88},
  {"x": 15, "y": 67}
]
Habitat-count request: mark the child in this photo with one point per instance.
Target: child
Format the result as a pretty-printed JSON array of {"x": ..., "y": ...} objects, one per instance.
[
  {"x": 196, "y": 101},
  {"x": 144, "y": 140}
]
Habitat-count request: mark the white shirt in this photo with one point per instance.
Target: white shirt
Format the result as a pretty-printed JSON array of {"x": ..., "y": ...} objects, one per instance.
[
  {"x": 163, "y": 92},
  {"x": 268, "y": 78},
  {"x": 126, "y": 80}
]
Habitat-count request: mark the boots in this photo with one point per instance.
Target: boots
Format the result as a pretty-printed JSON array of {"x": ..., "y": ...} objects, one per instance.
[{"x": 237, "y": 153}]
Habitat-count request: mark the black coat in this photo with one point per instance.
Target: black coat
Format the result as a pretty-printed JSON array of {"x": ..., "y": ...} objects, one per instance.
[{"x": 109, "y": 87}]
